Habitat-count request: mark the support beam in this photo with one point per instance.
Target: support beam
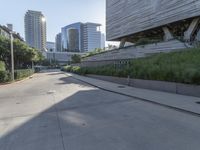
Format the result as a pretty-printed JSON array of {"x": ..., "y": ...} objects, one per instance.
[
  {"x": 191, "y": 29},
  {"x": 122, "y": 43},
  {"x": 168, "y": 35}
]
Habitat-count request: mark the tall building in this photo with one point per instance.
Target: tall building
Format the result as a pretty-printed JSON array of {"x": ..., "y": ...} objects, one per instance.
[
  {"x": 35, "y": 29},
  {"x": 58, "y": 42},
  {"x": 91, "y": 36},
  {"x": 81, "y": 37}
]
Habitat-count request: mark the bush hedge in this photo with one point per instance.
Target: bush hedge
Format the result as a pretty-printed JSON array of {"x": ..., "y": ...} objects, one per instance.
[
  {"x": 23, "y": 73},
  {"x": 181, "y": 67},
  {"x": 4, "y": 76},
  {"x": 2, "y": 66}
]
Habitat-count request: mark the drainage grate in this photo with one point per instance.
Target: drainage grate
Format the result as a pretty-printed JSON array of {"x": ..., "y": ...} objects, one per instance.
[
  {"x": 121, "y": 87},
  {"x": 198, "y": 102}
]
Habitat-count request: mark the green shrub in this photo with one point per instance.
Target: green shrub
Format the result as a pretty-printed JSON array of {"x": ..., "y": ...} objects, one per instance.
[
  {"x": 2, "y": 66},
  {"x": 4, "y": 76},
  {"x": 23, "y": 73},
  {"x": 66, "y": 68}
]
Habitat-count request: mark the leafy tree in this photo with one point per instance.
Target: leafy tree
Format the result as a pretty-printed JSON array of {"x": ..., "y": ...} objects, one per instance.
[
  {"x": 23, "y": 54},
  {"x": 76, "y": 59}
]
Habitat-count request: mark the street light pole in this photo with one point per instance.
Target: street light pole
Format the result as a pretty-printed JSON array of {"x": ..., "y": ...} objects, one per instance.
[{"x": 12, "y": 57}]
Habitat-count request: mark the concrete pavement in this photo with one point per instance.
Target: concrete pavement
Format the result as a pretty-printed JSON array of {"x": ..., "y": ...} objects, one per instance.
[{"x": 53, "y": 111}]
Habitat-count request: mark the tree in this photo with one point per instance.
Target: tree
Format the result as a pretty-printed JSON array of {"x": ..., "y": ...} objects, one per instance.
[
  {"x": 76, "y": 59},
  {"x": 23, "y": 54}
]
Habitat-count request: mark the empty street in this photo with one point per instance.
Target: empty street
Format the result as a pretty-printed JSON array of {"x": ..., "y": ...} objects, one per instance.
[{"x": 53, "y": 111}]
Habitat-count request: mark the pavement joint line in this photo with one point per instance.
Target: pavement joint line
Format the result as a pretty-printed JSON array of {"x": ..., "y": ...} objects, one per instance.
[
  {"x": 67, "y": 109},
  {"x": 28, "y": 115},
  {"x": 142, "y": 99},
  {"x": 58, "y": 120}
]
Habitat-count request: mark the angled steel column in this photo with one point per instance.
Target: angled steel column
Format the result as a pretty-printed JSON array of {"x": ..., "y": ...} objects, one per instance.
[{"x": 191, "y": 29}]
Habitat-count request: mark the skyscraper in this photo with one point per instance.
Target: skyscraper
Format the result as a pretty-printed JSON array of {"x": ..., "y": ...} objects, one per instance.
[{"x": 35, "y": 29}]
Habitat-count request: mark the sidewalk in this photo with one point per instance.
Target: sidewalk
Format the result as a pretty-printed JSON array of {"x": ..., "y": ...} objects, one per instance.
[{"x": 180, "y": 102}]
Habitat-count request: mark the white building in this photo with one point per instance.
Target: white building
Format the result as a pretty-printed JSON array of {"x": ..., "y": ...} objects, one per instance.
[
  {"x": 50, "y": 46},
  {"x": 35, "y": 29},
  {"x": 91, "y": 36}
]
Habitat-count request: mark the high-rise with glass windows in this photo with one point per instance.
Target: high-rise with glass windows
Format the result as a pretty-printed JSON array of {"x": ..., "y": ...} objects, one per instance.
[
  {"x": 72, "y": 37},
  {"x": 35, "y": 29},
  {"x": 81, "y": 37}
]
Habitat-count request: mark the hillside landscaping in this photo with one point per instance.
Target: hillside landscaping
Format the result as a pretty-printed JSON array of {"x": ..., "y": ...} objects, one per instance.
[{"x": 181, "y": 67}]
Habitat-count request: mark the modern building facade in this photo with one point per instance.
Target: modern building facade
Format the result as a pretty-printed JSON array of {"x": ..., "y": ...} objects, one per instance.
[
  {"x": 35, "y": 29},
  {"x": 91, "y": 36},
  {"x": 62, "y": 57},
  {"x": 72, "y": 37},
  {"x": 50, "y": 46},
  {"x": 129, "y": 21},
  {"x": 58, "y": 42},
  {"x": 81, "y": 37},
  {"x": 73, "y": 40}
]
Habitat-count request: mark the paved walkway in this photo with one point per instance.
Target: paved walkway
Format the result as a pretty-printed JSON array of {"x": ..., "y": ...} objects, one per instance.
[{"x": 180, "y": 102}]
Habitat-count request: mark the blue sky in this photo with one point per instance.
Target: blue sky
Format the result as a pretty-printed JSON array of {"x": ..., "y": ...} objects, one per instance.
[{"x": 58, "y": 13}]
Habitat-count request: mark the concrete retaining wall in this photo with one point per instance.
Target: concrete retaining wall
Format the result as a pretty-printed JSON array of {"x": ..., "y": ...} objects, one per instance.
[
  {"x": 171, "y": 87},
  {"x": 123, "y": 55},
  {"x": 132, "y": 52}
]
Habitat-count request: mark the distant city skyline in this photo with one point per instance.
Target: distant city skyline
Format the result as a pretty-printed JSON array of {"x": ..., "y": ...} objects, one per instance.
[{"x": 57, "y": 13}]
